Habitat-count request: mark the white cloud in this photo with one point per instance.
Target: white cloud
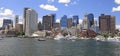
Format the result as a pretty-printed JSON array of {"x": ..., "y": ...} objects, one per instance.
[
  {"x": 7, "y": 12},
  {"x": 66, "y": 5},
  {"x": 118, "y": 27},
  {"x": 116, "y": 9},
  {"x": 117, "y": 1},
  {"x": 64, "y": 1},
  {"x": 58, "y": 20},
  {"x": 80, "y": 21},
  {"x": 48, "y": 7},
  {"x": 40, "y": 20}
]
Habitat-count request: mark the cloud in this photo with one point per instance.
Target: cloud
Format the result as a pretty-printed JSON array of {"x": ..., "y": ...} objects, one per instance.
[
  {"x": 66, "y": 5},
  {"x": 117, "y": 1},
  {"x": 58, "y": 20},
  {"x": 118, "y": 27},
  {"x": 116, "y": 9},
  {"x": 80, "y": 21},
  {"x": 64, "y": 1},
  {"x": 40, "y": 20},
  {"x": 6, "y": 12},
  {"x": 48, "y": 7}
]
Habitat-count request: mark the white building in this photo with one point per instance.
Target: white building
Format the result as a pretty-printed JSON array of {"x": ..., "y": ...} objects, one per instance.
[
  {"x": 30, "y": 23},
  {"x": 85, "y": 23}
]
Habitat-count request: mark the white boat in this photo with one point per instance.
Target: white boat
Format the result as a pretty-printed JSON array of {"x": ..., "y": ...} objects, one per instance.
[{"x": 41, "y": 39}]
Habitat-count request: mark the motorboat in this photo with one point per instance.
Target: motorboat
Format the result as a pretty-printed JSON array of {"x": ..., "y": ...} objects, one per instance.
[{"x": 41, "y": 39}]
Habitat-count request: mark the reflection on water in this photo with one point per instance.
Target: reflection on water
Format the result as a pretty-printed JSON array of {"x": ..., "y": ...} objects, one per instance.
[{"x": 32, "y": 47}]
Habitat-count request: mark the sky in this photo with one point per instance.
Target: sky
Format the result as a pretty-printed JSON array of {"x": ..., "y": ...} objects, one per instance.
[{"x": 10, "y": 8}]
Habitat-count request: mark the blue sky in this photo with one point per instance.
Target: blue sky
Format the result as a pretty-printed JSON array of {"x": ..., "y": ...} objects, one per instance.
[{"x": 9, "y": 8}]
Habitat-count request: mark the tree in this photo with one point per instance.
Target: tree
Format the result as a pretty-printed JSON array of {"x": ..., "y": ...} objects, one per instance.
[
  {"x": 20, "y": 33},
  {"x": 112, "y": 35}
]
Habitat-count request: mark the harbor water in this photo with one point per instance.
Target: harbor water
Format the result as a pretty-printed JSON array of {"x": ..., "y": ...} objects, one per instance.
[{"x": 33, "y": 47}]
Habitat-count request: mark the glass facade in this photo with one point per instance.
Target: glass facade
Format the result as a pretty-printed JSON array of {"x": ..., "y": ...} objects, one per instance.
[
  {"x": 75, "y": 20},
  {"x": 91, "y": 19},
  {"x": 6, "y": 22},
  {"x": 63, "y": 21}
]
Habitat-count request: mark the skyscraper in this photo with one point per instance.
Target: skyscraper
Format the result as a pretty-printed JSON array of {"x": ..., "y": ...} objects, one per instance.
[
  {"x": 16, "y": 20},
  {"x": 7, "y": 22},
  {"x": 107, "y": 23},
  {"x": 85, "y": 23},
  {"x": 24, "y": 18},
  {"x": 48, "y": 22},
  {"x": 69, "y": 22},
  {"x": 91, "y": 19},
  {"x": 30, "y": 24},
  {"x": 75, "y": 20},
  {"x": 63, "y": 21}
]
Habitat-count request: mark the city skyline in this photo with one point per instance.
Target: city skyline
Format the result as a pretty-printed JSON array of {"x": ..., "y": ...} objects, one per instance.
[{"x": 61, "y": 7}]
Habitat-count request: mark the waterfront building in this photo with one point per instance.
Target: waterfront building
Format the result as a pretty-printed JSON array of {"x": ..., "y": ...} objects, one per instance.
[
  {"x": 24, "y": 18},
  {"x": 30, "y": 19},
  {"x": 91, "y": 19},
  {"x": 19, "y": 27},
  {"x": 7, "y": 22},
  {"x": 75, "y": 20},
  {"x": 8, "y": 27},
  {"x": 63, "y": 22},
  {"x": 107, "y": 23},
  {"x": 39, "y": 26},
  {"x": 94, "y": 27},
  {"x": 56, "y": 25},
  {"x": 16, "y": 20},
  {"x": 85, "y": 23},
  {"x": 69, "y": 22},
  {"x": 48, "y": 22}
]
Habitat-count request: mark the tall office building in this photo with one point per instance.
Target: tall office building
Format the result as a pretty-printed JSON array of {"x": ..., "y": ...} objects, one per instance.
[
  {"x": 16, "y": 20},
  {"x": 91, "y": 19},
  {"x": 39, "y": 26},
  {"x": 24, "y": 18},
  {"x": 63, "y": 21},
  {"x": 85, "y": 23},
  {"x": 7, "y": 22},
  {"x": 48, "y": 22},
  {"x": 75, "y": 20},
  {"x": 69, "y": 22},
  {"x": 107, "y": 23},
  {"x": 30, "y": 24},
  {"x": 56, "y": 25}
]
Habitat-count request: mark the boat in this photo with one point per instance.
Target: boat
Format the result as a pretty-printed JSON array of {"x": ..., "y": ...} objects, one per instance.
[{"x": 41, "y": 39}]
